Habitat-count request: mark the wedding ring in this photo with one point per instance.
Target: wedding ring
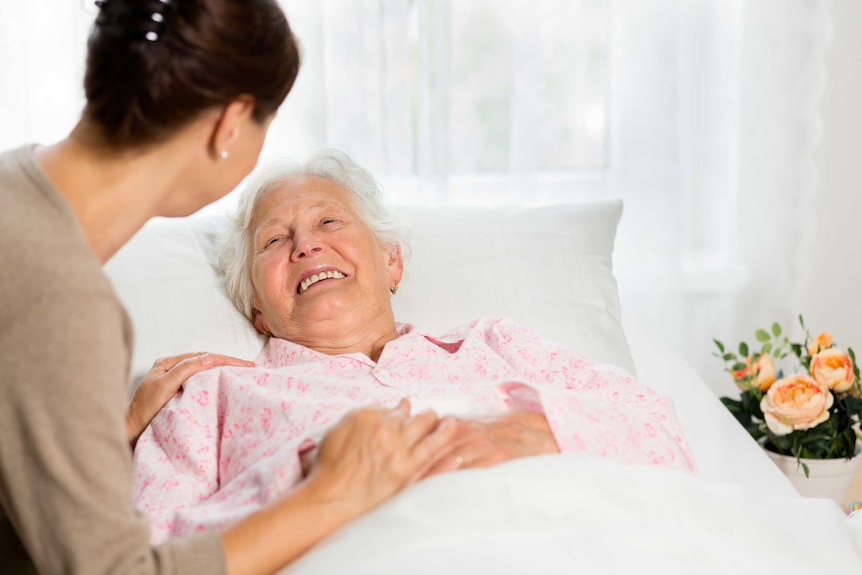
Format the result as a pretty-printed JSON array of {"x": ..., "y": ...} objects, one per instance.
[{"x": 459, "y": 460}]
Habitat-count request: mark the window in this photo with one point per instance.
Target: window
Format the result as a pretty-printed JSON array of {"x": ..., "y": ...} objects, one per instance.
[{"x": 457, "y": 102}]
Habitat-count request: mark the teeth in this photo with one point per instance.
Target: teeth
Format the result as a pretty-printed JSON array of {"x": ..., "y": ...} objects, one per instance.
[{"x": 310, "y": 281}]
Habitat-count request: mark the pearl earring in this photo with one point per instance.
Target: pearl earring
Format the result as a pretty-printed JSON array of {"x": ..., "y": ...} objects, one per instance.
[{"x": 223, "y": 154}]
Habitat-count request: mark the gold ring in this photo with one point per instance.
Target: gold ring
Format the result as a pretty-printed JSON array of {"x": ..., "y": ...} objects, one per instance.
[{"x": 459, "y": 460}]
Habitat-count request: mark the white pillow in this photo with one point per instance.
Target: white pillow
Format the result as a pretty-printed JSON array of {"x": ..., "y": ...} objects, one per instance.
[
  {"x": 170, "y": 282},
  {"x": 548, "y": 268}
]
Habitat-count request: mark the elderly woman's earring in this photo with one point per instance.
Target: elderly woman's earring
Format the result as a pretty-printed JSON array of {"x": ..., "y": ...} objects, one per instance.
[
  {"x": 223, "y": 154},
  {"x": 394, "y": 288}
]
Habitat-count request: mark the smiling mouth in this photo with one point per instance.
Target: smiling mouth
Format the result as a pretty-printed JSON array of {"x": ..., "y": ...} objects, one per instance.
[{"x": 311, "y": 280}]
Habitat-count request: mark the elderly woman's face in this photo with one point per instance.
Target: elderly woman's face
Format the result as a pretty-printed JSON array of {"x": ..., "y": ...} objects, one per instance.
[{"x": 317, "y": 267}]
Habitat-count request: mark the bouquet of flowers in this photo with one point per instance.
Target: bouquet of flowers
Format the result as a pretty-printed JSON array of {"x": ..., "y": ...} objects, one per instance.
[{"x": 812, "y": 413}]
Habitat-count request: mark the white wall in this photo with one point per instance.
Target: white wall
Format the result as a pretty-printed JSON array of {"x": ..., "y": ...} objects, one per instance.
[{"x": 831, "y": 295}]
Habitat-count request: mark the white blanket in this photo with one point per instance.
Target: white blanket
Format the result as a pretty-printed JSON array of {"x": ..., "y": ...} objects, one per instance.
[{"x": 568, "y": 514}]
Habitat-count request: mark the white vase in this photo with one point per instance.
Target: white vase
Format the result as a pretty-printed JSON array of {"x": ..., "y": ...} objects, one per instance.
[{"x": 827, "y": 478}]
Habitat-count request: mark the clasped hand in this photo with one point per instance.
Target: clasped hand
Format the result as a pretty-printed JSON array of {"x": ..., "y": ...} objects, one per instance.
[
  {"x": 373, "y": 453},
  {"x": 487, "y": 441},
  {"x": 378, "y": 438},
  {"x": 163, "y": 381}
]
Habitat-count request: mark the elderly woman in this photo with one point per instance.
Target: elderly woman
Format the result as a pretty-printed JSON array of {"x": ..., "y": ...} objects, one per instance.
[{"x": 313, "y": 259}]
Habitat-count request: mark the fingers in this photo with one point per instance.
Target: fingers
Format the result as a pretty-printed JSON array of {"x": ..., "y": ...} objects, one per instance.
[
  {"x": 493, "y": 440},
  {"x": 165, "y": 364},
  {"x": 448, "y": 461},
  {"x": 467, "y": 457},
  {"x": 306, "y": 460},
  {"x": 219, "y": 360},
  {"x": 431, "y": 451},
  {"x": 475, "y": 444},
  {"x": 402, "y": 410},
  {"x": 207, "y": 359},
  {"x": 418, "y": 426},
  {"x": 190, "y": 364}
]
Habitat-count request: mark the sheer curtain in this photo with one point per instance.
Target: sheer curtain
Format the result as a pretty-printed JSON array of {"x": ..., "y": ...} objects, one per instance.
[
  {"x": 42, "y": 50},
  {"x": 700, "y": 114}
]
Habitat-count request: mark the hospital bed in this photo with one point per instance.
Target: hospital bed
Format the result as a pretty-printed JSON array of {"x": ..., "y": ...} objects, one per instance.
[{"x": 549, "y": 268}]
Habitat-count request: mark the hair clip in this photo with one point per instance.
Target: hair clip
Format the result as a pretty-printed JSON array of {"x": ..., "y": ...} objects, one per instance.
[{"x": 138, "y": 20}]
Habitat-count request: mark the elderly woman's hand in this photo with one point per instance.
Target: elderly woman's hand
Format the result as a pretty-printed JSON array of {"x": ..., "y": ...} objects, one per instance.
[
  {"x": 488, "y": 441},
  {"x": 374, "y": 453},
  {"x": 163, "y": 381}
]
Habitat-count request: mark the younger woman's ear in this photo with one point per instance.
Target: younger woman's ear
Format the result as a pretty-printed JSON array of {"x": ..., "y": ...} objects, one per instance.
[{"x": 229, "y": 125}]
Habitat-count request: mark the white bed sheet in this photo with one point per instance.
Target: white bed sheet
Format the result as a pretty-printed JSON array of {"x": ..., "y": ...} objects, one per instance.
[
  {"x": 565, "y": 514},
  {"x": 562, "y": 514}
]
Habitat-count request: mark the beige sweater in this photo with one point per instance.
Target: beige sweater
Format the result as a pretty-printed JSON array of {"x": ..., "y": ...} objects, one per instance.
[{"x": 65, "y": 348}]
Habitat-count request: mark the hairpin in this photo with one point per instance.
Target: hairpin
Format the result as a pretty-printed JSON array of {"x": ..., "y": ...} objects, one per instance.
[{"x": 139, "y": 20}]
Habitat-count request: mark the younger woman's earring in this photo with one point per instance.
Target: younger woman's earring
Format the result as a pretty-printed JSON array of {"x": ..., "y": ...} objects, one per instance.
[
  {"x": 394, "y": 288},
  {"x": 223, "y": 154}
]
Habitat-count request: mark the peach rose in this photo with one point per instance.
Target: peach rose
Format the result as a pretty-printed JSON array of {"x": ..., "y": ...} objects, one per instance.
[
  {"x": 795, "y": 402},
  {"x": 763, "y": 373},
  {"x": 832, "y": 367},
  {"x": 821, "y": 342}
]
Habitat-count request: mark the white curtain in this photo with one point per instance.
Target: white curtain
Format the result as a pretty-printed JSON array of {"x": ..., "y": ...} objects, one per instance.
[
  {"x": 700, "y": 114},
  {"x": 42, "y": 51}
]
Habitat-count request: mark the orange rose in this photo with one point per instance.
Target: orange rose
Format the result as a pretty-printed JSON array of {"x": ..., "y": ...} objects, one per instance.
[
  {"x": 832, "y": 367},
  {"x": 762, "y": 373},
  {"x": 795, "y": 402},
  {"x": 821, "y": 342}
]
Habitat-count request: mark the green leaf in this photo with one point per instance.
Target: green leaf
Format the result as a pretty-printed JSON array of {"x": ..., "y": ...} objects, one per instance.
[
  {"x": 729, "y": 357},
  {"x": 751, "y": 399},
  {"x": 767, "y": 349},
  {"x": 852, "y": 355},
  {"x": 802, "y": 323},
  {"x": 776, "y": 329},
  {"x": 738, "y": 366},
  {"x": 854, "y": 404},
  {"x": 762, "y": 335},
  {"x": 743, "y": 349},
  {"x": 747, "y": 412},
  {"x": 719, "y": 345}
]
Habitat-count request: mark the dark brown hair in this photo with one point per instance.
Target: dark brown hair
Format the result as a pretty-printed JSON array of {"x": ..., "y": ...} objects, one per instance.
[{"x": 147, "y": 76}]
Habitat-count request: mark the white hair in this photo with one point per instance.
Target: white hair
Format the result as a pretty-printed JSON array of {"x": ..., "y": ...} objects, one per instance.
[{"x": 234, "y": 246}]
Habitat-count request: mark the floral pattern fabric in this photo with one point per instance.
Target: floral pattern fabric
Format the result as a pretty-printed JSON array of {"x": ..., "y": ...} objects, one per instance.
[{"x": 229, "y": 443}]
